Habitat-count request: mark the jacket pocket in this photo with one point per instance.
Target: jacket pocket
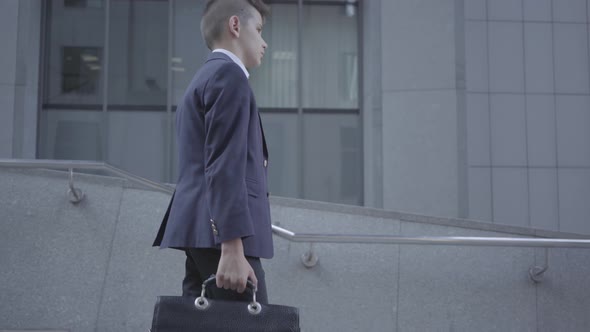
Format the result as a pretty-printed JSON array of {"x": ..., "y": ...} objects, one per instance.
[{"x": 252, "y": 187}]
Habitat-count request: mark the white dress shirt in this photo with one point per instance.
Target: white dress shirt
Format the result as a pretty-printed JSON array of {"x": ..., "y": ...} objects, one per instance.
[{"x": 235, "y": 59}]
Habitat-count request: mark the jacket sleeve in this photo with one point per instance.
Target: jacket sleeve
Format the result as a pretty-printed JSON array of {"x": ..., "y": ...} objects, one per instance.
[{"x": 227, "y": 114}]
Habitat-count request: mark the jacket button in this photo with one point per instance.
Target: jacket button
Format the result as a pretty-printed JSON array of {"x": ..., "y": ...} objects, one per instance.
[
  {"x": 265, "y": 163},
  {"x": 214, "y": 227}
]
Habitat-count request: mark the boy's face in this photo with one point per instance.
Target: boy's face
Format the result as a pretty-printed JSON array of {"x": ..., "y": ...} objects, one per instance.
[{"x": 250, "y": 40}]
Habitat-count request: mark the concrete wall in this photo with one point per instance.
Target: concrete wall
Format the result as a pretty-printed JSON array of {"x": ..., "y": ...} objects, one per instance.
[
  {"x": 20, "y": 37},
  {"x": 8, "y": 38},
  {"x": 413, "y": 106},
  {"x": 80, "y": 267},
  {"x": 91, "y": 268},
  {"x": 372, "y": 104}
]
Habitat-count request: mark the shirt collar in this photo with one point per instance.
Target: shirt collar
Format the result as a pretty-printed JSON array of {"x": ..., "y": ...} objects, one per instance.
[{"x": 235, "y": 59}]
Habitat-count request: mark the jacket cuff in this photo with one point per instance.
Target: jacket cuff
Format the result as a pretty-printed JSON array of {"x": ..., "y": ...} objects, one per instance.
[{"x": 223, "y": 233}]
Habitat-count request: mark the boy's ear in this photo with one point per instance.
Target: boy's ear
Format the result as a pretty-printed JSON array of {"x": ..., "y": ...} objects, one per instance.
[{"x": 234, "y": 26}]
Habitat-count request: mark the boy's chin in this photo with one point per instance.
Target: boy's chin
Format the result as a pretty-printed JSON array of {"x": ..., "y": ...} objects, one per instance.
[{"x": 255, "y": 64}]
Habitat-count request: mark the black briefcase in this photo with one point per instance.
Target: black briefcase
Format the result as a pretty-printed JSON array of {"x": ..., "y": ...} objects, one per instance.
[{"x": 189, "y": 314}]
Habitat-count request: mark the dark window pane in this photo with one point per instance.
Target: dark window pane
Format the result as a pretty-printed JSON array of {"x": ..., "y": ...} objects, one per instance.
[
  {"x": 74, "y": 56},
  {"x": 83, "y": 3},
  {"x": 74, "y": 3},
  {"x": 80, "y": 69}
]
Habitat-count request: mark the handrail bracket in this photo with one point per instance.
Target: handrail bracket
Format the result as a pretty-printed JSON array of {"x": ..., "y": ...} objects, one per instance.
[
  {"x": 309, "y": 258},
  {"x": 536, "y": 272},
  {"x": 76, "y": 195}
]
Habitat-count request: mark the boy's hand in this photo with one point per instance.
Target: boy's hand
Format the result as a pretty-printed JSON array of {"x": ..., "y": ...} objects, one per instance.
[{"x": 234, "y": 270}]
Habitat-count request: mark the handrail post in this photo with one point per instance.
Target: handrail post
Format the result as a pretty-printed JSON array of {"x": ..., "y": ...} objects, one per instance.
[{"x": 309, "y": 258}]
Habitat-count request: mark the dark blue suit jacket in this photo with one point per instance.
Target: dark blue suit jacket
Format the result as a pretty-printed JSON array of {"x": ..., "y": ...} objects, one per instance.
[{"x": 221, "y": 192}]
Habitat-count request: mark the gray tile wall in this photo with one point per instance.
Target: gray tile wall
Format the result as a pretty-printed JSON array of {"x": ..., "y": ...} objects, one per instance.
[{"x": 528, "y": 112}]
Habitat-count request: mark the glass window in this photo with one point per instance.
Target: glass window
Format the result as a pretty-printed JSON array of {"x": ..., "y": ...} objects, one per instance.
[
  {"x": 137, "y": 131},
  {"x": 330, "y": 57},
  {"x": 137, "y": 121},
  {"x": 189, "y": 49},
  {"x": 332, "y": 133},
  {"x": 137, "y": 142},
  {"x": 83, "y": 3},
  {"x": 70, "y": 123},
  {"x": 275, "y": 81},
  {"x": 280, "y": 130},
  {"x": 74, "y": 56},
  {"x": 138, "y": 53},
  {"x": 189, "y": 54},
  {"x": 71, "y": 135},
  {"x": 80, "y": 69},
  {"x": 332, "y": 155}
]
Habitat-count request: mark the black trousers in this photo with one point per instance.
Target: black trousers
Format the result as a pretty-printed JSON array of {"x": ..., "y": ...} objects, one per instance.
[{"x": 201, "y": 263}]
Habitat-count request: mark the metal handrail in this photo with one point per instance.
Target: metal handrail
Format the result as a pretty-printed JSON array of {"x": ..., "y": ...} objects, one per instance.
[
  {"x": 432, "y": 240},
  {"x": 80, "y": 164},
  {"x": 315, "y": 238}
]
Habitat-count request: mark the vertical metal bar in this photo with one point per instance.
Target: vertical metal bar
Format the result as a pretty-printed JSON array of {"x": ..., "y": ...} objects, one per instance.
[
  {"x": 167, "y": 177},
  {"x": 130, "y": 37},
  {"x": 106, "y": 55},
  {"x": 46, "y": 12},
  {"x": 360, "y": 92},
  {"x": 300, "y": 123}
]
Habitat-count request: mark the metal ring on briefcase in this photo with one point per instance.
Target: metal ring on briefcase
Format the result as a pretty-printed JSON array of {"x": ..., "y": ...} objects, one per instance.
[{"x": 202, "y": 303}]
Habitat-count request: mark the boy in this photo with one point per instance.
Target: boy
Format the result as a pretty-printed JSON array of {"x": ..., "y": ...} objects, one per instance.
[{"x": 220, "y": 213}]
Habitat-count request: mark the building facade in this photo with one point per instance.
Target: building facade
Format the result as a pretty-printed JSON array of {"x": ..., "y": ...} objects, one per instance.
[{"x": 475, "y": 109}]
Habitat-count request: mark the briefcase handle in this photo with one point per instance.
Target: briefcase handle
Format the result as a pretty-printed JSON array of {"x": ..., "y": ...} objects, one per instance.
[{"x": 202, "y": 303}]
